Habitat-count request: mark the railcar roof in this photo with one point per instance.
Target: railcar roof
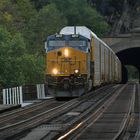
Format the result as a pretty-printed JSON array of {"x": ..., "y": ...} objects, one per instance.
[{"x": 84, "y": 31}]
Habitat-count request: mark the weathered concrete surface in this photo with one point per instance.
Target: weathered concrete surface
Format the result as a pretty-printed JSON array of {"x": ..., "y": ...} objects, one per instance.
[{"x": 124, "y": 42}]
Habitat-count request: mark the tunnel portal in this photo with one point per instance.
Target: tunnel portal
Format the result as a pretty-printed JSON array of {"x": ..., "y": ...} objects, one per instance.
[{"x": 129, "y": 56}]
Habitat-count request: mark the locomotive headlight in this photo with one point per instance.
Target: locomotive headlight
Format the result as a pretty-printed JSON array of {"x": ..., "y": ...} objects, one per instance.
[
  {"x": 76, "y": 71},
  {"x": 66, "y": 52},
  {"x": 55, "y": 71}
]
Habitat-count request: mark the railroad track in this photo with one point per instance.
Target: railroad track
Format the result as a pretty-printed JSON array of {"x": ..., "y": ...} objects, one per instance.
[
  {"x": 66, "y": 116},
  {"x": 19, "y": 116},
  {"x": 18, "y": 129},
  {"x": 27, "y": 112},
  {"x": 137, "y": 116},
  {"x": 110, "y": 122},
  {"x": 133, "y": 128}
]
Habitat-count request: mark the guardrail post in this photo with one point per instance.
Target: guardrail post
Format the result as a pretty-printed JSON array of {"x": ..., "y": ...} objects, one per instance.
[
  {"x": 15, "y": 95},
  {"x": 40, "y": 91},
  {"x": 21, "y": 97},
  {"x": 7, "y": 96},
  {"x": 18, "y": 95},
  {"x": 43, "y": 91},
  {"x": 40, "y": 88},
  {"x": 13, "y": 91},
  {"x": 4, "y": 96}
]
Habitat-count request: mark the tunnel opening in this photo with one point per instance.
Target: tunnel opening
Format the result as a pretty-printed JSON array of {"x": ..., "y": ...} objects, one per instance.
[
  {"x": 133, "y": 73},
  {"x": 129, "y": 57}
]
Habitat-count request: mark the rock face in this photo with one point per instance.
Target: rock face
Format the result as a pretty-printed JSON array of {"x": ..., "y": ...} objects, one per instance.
[
  {"x": 122, "y": 15},
  {"x": 129, "y": 20},
  {"x": 124, "y": 23},
  {"x": 136, "y": 20}
]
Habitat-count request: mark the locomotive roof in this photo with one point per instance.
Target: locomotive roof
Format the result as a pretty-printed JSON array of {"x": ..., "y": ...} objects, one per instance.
[
  {"x": 64, "y": 36},
  {"x": 82, "y": 30}
]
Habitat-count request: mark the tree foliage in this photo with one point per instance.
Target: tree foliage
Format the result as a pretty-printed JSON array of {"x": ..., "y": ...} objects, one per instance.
[
  {"x": 48, "y": 21},
  {"x": 24, "y": 26},
  {"x": 12, "y": 49},
  {"x": 79, "y": 12}
]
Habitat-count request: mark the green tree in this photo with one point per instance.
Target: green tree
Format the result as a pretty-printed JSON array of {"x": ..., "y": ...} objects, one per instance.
[
  {"x": 11, "y": 50},
  {"x": 24, "y": 27},
  {"x": 17, "y": 66},
  {"x": 22, "y": 40},
  {"x": 15, "y": 15},
  {"x": 24, "y": 12},
  {"x": 6, "y": 11},
  {"x": 79, "y": 12},
  {"x": 48, "y": 21},
  {"x": 39, "y": 3}
]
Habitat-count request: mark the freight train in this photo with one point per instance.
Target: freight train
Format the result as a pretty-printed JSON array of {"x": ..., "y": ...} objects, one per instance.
[{"x": 77, "y": 60}]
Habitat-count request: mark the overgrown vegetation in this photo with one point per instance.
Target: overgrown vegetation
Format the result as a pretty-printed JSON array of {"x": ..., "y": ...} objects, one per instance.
[
  {"x": 24, "y": 26},
  {"x": 133, "y": 73}
]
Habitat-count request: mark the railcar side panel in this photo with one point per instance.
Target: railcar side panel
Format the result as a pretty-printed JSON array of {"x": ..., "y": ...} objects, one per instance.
[
  {"x": 106, "y": 65},
  {"x": 113, "y": 62},
  {"x": 102, "y": 64},
  {"x": 110, "y": 66},
  {"x": 91, "y": 61},
  {"x": 110, "y": 71},
  {"x": 96, "y": 62}
]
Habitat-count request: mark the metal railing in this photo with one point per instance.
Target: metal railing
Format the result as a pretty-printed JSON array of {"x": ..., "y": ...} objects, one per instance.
[
  {"x": 13, "y": 95},
  {"x": 17, "y": 95}
]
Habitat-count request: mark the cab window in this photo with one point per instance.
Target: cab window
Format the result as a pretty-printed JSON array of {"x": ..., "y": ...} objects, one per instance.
[{"x": 76, "y": 44}]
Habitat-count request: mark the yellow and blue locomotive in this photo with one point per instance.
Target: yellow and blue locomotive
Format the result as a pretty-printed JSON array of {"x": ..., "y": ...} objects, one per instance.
[{"x": 77, "y": 60}]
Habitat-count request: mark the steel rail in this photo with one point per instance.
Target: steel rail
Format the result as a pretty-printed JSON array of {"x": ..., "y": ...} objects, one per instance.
[
  {"x": 19, "y": 112},
  {"x": 126, "y": 119},
  {"x": 43, "y": 117},
  {"x": 137, "y": 134},
  {"x": 78, "y": 128}
]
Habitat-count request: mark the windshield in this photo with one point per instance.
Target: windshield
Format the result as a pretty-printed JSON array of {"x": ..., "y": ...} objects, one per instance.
[
  {"x": 55, "y": 43},
  {"x": 76, "y": 44}
]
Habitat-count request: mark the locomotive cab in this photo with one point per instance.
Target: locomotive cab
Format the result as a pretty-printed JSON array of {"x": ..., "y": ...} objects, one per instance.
[{"x": 67, "y": 66}]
